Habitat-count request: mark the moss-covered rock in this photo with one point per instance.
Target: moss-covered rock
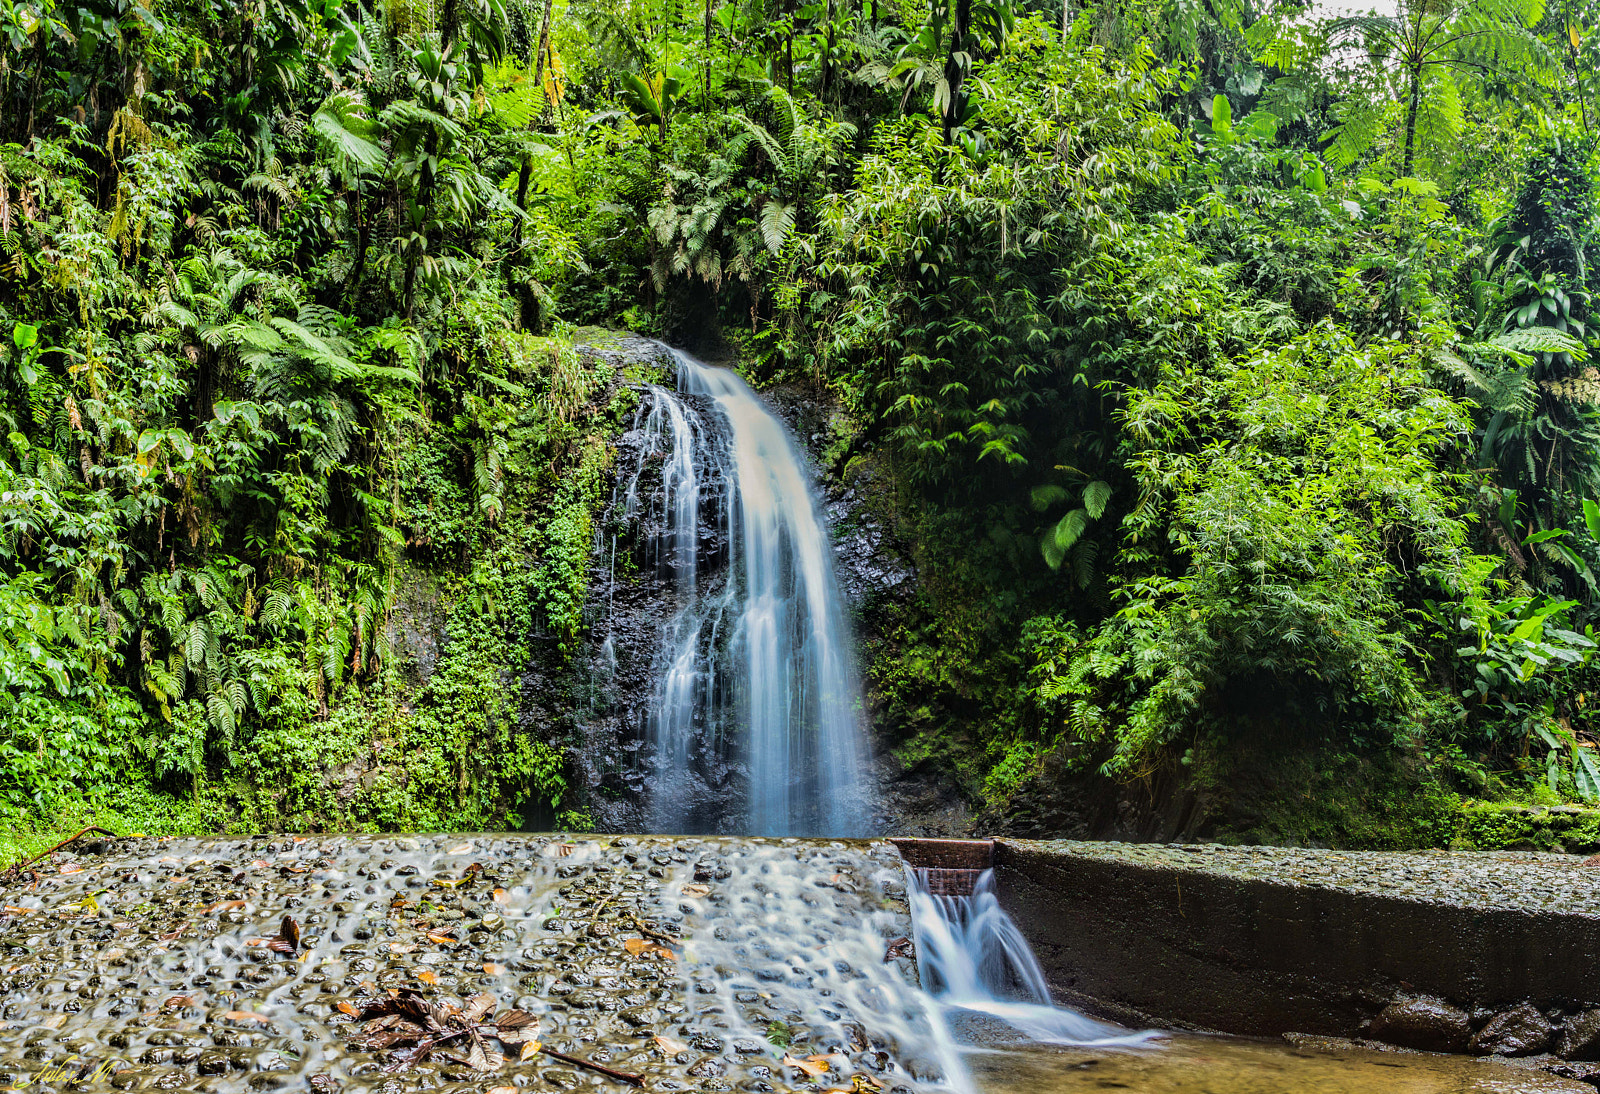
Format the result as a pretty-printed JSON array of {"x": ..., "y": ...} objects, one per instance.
[{"x": 1484, "y": 826}]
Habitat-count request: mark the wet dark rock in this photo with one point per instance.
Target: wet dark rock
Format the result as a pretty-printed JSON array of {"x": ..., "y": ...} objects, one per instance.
[
  {"x": 1423, "y": 1022},
  {"x": 1579, "y": 1036},
  {"x": 1520, "y": 1031}
]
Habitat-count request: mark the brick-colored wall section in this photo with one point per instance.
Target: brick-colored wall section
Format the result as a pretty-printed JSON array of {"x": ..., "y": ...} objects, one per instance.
[{"x": 947, "y": 854}]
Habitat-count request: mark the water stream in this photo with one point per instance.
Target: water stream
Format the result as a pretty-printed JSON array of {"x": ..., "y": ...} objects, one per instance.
[
  {"x": 753, "y": 671},
  {"x": 713, "y": 964},
  {"x": 972, "y": 957}
]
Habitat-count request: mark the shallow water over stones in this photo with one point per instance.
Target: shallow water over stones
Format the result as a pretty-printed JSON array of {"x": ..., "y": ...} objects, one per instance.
[
  {"x": 709, "y": 964},
  {"x": 171, "y": 985}
]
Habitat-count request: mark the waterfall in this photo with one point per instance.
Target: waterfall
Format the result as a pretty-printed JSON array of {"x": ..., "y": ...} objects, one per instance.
[
  {"x": 971, "y": 956},
  {"x": 755, "y": 693}
]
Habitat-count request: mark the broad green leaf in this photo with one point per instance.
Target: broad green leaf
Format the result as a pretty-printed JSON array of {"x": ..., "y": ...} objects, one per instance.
[
  {"x": 1221, "y": 115},
  {"x": 1586, "y": 773},
  {"x": 1043, "y": 497},
  {"x": 1095, "y": 498},
  {"x": 1069, "y": 528}
]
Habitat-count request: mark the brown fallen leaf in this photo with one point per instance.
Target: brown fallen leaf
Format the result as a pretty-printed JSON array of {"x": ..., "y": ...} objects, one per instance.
[
  {"x": 565, "y": 849},
  {"x": 347, "y": 1007},
  {"x": 811, "y": 1065},
  {"x": 862, "y": 1083},
  {"x": 72, "y": 869},
  {"x": 222, "y": 906},
  {"x": 427, "y": 977},
  {"x": 900, "y": 947},
  {"x": 402, "y": 947},
  {"x": 502, "y": 897},
  {"x": 12, "y": 909},
  {"x": 516, "y": 1027},
  {"x": 478, "y": 1007},
  {"x": 179, "y": 1001},
  {"x": 480, "y": 1058},
  {"x": 697, "y": 890},
  {"x": 245, "y": 1016},
  {"x": 491, "y": 969},
  {"x": 440, "y": 938},
  {"x": 644, "y": 947},
  {"x": 288, "y": 940},
  {"x": 450, "y": 882},
  {"x": 669, "y": 1046}
]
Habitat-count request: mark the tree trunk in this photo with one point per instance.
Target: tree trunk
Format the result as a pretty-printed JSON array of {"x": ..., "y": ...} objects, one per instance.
[
  {"x": 363, "y": 238},
  {"x": 526, "y": 171},
  {"x": 827, "y": 56},
  {"x": 425, "y": 209},
  {"x": 1411, "y": 119},
  {"x": 705, "y": 96},
  {"x": 955, "y": 71}
]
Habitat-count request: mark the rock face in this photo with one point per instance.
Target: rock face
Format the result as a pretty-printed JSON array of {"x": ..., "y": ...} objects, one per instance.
[
  {"x": 1579, "y": 1038},
  {"x": 1424, "y": 1022}
]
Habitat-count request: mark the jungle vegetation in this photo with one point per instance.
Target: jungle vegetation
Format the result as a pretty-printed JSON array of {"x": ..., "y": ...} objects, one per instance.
[{"x": 1229, "y": 361}]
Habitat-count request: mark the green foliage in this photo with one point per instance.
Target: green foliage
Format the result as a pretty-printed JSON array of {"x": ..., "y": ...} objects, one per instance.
[{"x": 1178, "y": 405}]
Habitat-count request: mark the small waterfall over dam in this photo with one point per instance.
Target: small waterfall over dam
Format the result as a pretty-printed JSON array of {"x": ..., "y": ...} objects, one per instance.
[
  {"x": 753, "y": 724},
  {"x": 971, "y": 956}
]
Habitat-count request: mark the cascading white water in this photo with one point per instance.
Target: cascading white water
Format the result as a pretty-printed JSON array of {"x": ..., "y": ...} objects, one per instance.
[
  {"x": 971, "y": 956},
  {"x": 755, "y": 664}
]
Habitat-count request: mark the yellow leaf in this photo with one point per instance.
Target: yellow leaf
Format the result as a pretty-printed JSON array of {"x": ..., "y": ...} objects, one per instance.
[
  {"x": 502, "y": 897},
  {"x": 427, "y": 977},
  {"x": 491, "y": 969},
  {"x": 1573, "y": 36},
  {"x": 530, "y": 1049},
  {"x": 811, "y": 1065},
  {"x": 669, "y": 1046},
  {"x": 637, "y": 946}
]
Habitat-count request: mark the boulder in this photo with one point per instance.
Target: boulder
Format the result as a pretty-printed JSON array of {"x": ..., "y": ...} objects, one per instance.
[
  {"x": 1425, "y": 1022},
  {"x": 1579, "y": 1038},
  {"x": 1520, "y": 1031}
]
